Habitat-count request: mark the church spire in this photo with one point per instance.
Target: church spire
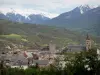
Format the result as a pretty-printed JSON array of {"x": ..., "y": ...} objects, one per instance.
[{"x": 88, "y": 42}]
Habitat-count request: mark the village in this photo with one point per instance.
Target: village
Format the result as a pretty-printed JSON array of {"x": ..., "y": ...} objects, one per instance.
[{"x": 43, "y": 57}]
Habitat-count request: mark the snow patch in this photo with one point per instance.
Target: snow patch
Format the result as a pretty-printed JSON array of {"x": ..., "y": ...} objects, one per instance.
[
  {"x": 84, "y": 8},
  {"x": 27, "y": 12},
  {"x": 81, "y": 11}
]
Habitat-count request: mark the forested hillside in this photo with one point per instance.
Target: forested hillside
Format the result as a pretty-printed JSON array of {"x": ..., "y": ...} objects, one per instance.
[{"x": 21, "y": 35}]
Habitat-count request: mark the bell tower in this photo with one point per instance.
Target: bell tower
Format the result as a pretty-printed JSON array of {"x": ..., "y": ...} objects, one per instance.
[
  {"x": 88, "y": 42},
  {"x": 52, "y": 47}
]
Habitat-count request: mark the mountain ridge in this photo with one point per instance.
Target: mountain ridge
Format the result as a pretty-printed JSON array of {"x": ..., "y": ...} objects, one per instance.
[
  {"x": 81, "y": 17},
  {"x": 90, "y": 19}
]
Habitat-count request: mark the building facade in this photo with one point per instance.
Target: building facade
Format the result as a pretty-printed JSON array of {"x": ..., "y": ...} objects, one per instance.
[{"x": 88, "y": 42}]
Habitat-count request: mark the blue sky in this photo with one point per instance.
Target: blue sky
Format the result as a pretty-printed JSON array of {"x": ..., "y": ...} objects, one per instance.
[{"x": 50, "y": 6}]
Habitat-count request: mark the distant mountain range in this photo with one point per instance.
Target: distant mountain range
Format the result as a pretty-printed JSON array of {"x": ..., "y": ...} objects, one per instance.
[
  {"x": 82, "y": 18},
  {"x": 32, "y": 18},
  {"x": 79, "y": 17},
  {"x": 39, "y": 17}
]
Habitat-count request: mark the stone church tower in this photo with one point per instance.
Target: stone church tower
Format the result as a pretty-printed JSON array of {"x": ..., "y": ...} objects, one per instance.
[
  {"x": 52, "y": 47},
  {"x": 88, "y": 42}
]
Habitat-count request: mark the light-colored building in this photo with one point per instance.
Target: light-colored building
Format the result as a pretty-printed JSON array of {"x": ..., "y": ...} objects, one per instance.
[
  {"x": 52, "y": 47},
  {"x": 88, "y": 42}
]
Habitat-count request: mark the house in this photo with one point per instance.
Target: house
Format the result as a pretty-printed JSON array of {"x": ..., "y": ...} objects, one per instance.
[
  {"x": 41, "y": 63},
  {"x": 76, "y": 48}
]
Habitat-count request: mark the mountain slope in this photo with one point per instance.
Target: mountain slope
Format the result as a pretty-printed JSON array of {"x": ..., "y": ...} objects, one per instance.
[
  {"x": 24, "y": 16},
  {"x": 40, "y": 34},
  {"x": 67, "y": 19},
  {"x": 83, "y": 18},
  {"x": 32, "y": 36}
]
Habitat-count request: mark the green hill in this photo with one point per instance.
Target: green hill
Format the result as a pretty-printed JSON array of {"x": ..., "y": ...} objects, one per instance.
[{"x": 34, "y": 36}]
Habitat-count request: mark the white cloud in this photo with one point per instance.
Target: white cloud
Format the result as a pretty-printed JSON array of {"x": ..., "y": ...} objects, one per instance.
[
  {"x": 26, "y": 12},
  {"x": 53, "y": 6}
]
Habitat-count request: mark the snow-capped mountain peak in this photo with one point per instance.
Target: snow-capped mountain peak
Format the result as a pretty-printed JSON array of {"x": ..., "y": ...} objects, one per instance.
[
  {"x": 27, "y": 12},
  {"x": 25, "y": 15},
  {"x": 84, "y": 8}
]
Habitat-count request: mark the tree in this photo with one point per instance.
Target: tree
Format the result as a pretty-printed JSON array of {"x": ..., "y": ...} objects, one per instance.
[{"x": 84, "y": 63}]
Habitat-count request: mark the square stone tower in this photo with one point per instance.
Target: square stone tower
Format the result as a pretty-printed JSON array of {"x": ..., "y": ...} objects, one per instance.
[
  {"x": 88, "y": 42},
  {"x": 52, "y": 47}
]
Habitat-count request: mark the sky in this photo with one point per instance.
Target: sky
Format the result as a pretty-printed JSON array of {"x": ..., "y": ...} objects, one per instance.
[{"x": 51, "y": 7}]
